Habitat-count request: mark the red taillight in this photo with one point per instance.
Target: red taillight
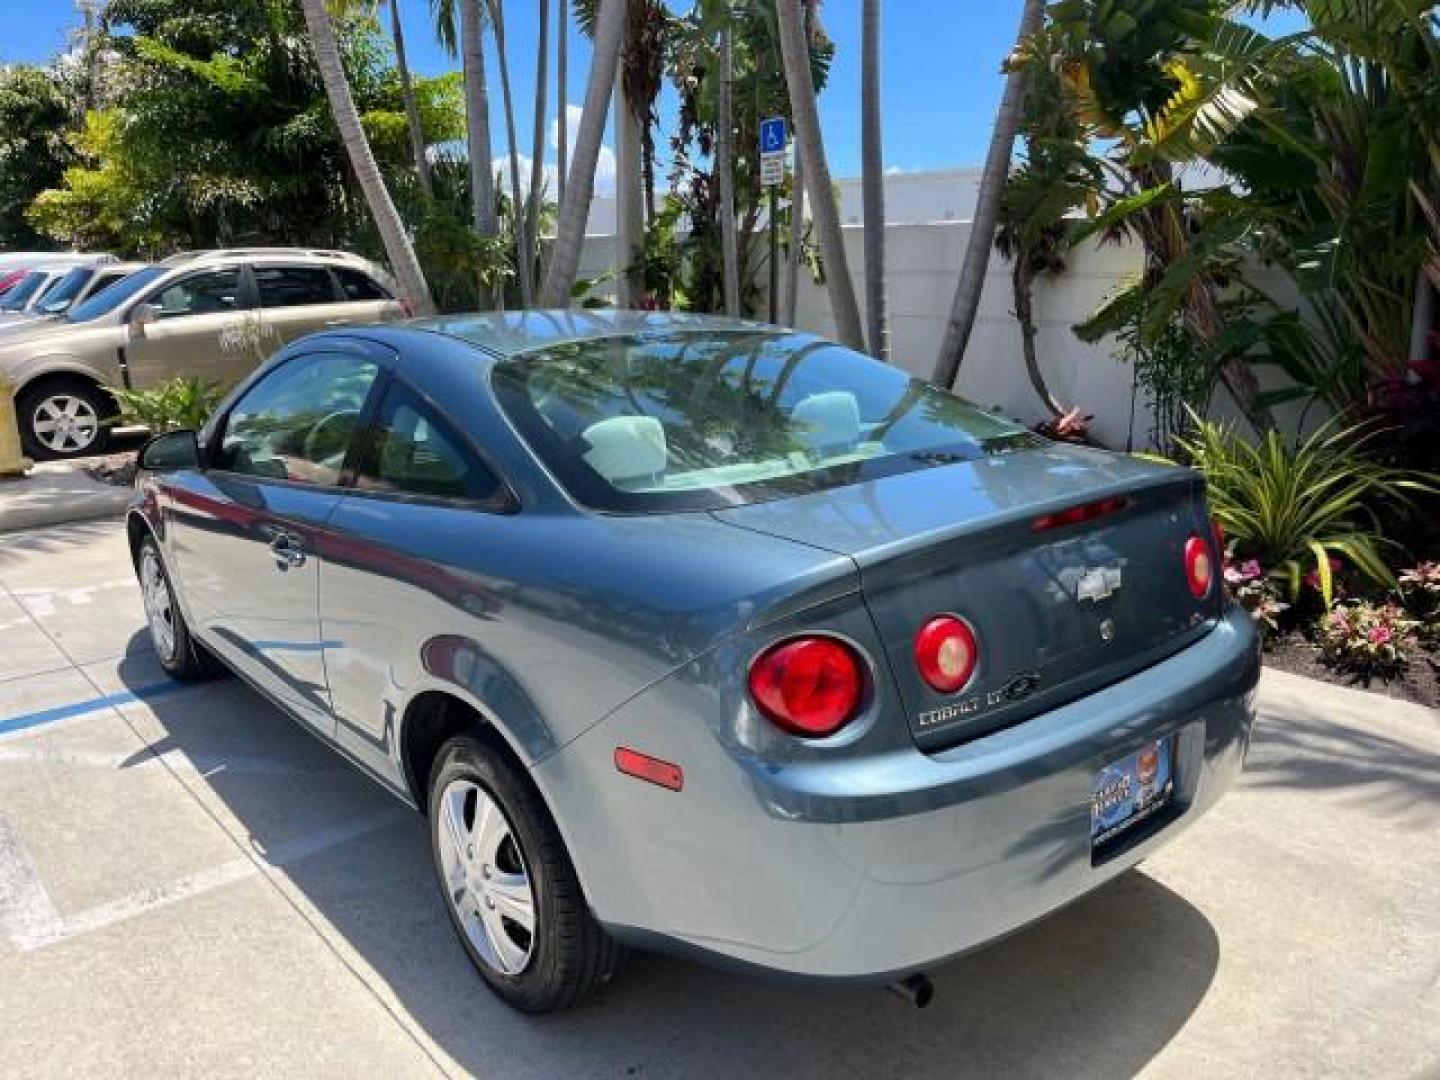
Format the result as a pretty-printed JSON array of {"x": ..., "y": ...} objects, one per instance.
[
  {"x": 1199, "y": 568},
  {"x": 808, "y": 686},
  {"x": 1074, "y": 515},
  {"x": 946, "y": 653}
]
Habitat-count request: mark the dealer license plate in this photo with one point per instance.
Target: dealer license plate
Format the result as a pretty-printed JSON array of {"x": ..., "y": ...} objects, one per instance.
[{"x": 1131, "y": 790}]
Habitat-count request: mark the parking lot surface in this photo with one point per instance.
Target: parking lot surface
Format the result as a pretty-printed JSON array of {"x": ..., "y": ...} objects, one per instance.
[{"x": 189, "y": 884}]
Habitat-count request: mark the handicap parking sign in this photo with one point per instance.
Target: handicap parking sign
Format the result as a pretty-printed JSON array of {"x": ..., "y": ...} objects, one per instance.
[{"x": 773, "y": 135}]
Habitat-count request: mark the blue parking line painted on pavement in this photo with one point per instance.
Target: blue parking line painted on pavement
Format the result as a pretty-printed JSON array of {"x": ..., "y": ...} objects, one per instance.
[{"x": 79, "y": 708}]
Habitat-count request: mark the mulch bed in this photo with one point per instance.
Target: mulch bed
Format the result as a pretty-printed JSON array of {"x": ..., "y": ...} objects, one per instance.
[
  {"x": 117, "y": 469},
  {"x": 1420, "y": 683}
]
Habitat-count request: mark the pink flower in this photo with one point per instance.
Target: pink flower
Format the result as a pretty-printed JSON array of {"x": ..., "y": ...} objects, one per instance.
[
  {"x": 1251, "y": 569},
  {"x": 1381, "y": 635}
]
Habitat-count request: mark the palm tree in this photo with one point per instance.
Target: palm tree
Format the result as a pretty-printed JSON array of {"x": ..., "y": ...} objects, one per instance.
[
  {"x": 797, "y": 239},
  {"x": 562, "y": 97},
  {"x": 872, "y": 172},
  {"x": 530, "y": 238},
  {"x": 517, "y": 214},
  {"x": 987, "y": 211},
  {"x": 795, "y": 57},
  {"x": 575, "y": 209},
  {"x": 398, "y": 248},
  {"x": 412, "y": 110},
  {"x": 724, "y": 165},
  {"x": 471, "y": 46}
]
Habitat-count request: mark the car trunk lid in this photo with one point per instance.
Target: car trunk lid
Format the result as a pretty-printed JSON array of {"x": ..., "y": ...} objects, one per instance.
[{"x": 1059, "y": 608}]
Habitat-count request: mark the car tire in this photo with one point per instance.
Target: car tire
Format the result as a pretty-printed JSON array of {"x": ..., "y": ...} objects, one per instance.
[
  {"x": 182, "y": 657},
  {"x": 64, "y": 418},
  {"x": 565, "y": 954}
]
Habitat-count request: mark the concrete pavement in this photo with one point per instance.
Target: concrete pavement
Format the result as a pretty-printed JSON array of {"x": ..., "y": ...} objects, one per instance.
[{"x": 190, "y": 884}]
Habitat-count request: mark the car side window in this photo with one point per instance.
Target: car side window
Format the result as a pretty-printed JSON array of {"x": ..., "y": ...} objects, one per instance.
[
  {"x": 210, "y": 293},
  {"x": 359, "y": 286},
  {"x": 415, "y": 453},
  {"x": 297, "y": 423},
  {"x": 294, "y": 286}
]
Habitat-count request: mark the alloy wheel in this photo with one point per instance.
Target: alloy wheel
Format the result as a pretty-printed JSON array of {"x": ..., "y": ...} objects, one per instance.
[
  {"x": 65, "y": 423},
  {"x": 486, "y": 879},
  {"x": 159, "y": 611}
]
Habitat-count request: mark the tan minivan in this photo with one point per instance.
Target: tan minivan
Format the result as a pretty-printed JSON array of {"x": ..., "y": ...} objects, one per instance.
[{"x": 213, "y": 314}]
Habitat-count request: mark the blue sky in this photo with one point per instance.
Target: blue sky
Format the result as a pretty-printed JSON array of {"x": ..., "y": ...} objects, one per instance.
[{"x": 941, "y": 72}]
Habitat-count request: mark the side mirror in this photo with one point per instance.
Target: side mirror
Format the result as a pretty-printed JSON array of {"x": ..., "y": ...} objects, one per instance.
[
  {"x": 169, "y": 452},
  {"x": 142, "y": 317}
]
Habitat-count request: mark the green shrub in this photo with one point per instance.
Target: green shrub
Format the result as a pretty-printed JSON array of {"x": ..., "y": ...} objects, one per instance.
[
  {"x": 1295, "y": 505},
  {"x": 183, "y": 403},
  {"x": 1368, "y": 640}
]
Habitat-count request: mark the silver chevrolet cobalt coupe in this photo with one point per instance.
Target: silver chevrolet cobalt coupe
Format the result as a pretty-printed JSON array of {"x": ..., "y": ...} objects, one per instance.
[{"x": 704, "y": 636}]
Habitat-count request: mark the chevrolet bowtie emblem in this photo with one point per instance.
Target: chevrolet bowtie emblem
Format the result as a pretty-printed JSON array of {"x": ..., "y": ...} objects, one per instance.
[{"x": 1098, "y": 584}]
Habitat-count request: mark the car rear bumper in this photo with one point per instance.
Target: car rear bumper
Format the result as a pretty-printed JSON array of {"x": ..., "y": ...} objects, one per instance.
[{"x": 884, "y": 866}]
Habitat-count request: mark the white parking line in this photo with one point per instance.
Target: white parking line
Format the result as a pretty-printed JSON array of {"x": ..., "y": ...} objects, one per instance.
[
  {"x": 35, "y": 927},
  {"x": 44, "y": 601},
  {"x": 197, "y": 765},
  {"x": 25, "y": 906}
]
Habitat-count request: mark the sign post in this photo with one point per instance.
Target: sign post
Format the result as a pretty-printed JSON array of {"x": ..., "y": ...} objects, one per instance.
[{"x": 774, "y": 136}]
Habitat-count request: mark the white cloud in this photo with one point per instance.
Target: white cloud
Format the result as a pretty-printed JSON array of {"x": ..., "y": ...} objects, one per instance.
[{"x": 604, "y": 166}]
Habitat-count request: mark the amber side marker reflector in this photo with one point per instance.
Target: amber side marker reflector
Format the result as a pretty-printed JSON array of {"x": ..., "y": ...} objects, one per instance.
[
  {"x": 1074, "y": 515},
  {"x": 644, "y": 767}
]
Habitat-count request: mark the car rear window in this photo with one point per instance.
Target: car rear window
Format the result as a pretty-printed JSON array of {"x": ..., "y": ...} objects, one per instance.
[
  {"x": 294, "y": 286},
  {"x": 358, "y": 286},
  {"x": 675, "y": 421}
]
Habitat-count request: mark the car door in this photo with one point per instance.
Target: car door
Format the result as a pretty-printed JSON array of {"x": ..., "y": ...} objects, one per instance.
[
  {"x": 366, "y": 300},
  {"x": 395, "y": 606},
  {"x": 199, "y": 330},
  {"x": 246, "y": 531},
  {"x": 297, "y": 300}
]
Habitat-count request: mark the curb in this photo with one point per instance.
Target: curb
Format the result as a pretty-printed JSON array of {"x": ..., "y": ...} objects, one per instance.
[{"x": 57, "y": 495}]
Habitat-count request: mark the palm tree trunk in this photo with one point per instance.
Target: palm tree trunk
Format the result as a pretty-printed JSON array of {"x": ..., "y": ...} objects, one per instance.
[
  {"x": 877, "y": 314},
  {"x": 412, "y": 110},
  {"x": 797, "y": 240},
  {"x": 630, "y": 198},
  {"x": 987, "y": 213},
  {"x": 795, "y": 55},
  {"x": 1022, "y": 280},
  {"x": 562, "y": 98},
  {"x": 477, "y": 125},
  {"x": 398, "y": 248},
  {"x": 575, "y": 209},
  {"x": 517, "y": 206},
  {"x": 725, "y": 170},
  {"x": 537, "y": 156}
]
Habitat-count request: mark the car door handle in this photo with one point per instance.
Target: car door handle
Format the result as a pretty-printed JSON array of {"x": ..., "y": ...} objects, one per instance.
[{"x": 288, "y": 551}]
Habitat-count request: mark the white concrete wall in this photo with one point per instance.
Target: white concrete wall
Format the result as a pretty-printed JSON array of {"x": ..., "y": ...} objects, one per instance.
[{"x": 922, "y": 268}]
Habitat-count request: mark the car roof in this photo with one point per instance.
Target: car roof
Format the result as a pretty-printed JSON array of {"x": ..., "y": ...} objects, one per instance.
[
  {"x": 510, "y": 333},
  {"x": 347, "y": 258}
]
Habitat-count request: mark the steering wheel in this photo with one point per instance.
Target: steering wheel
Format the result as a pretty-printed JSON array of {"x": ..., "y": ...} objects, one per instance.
[{"x": 314, "y": 435}]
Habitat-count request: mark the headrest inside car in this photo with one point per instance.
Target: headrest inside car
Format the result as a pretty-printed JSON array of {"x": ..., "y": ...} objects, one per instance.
[
  {"x": 626, "y": 449},
  {"x": 828, "y": 421}
]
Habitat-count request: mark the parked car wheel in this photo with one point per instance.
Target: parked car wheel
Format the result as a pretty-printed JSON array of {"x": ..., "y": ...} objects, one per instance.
[
  {"x": 508, "y": 883},
  {"x": 64, "y": 418},
  {"x": 179, "y": 654}
]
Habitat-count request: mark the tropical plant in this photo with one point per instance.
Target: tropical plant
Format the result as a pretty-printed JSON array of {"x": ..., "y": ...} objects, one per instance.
[
  {"x": 1055, "y": 177},
  {"x": 36, "y": 111},
  {"x": 413, "y": 125},
  {"x": 872, "y": 181},
  {"x": 175, "y": 405},
  {"x": 496, "y": 12},
  {"x": 724, "y": 164},
  {"x": 575, "y": 208},
  {"x": 1254, "y": 591},
  {"x": 796, "y": 62},
  {"x": 1295, "y": 504},
  {"x": 987, "y": 208},
  {"x": 1367, "y": 640},
  {"x": 398, "y": 247}
]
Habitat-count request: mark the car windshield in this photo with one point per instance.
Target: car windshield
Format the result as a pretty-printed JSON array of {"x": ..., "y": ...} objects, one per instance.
[
  {"x": 677, "y": 421},
  {"x": 107, "y": 300},
  {"x": 23, "y": 290},
  {"x": 62, "y": 294}
]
